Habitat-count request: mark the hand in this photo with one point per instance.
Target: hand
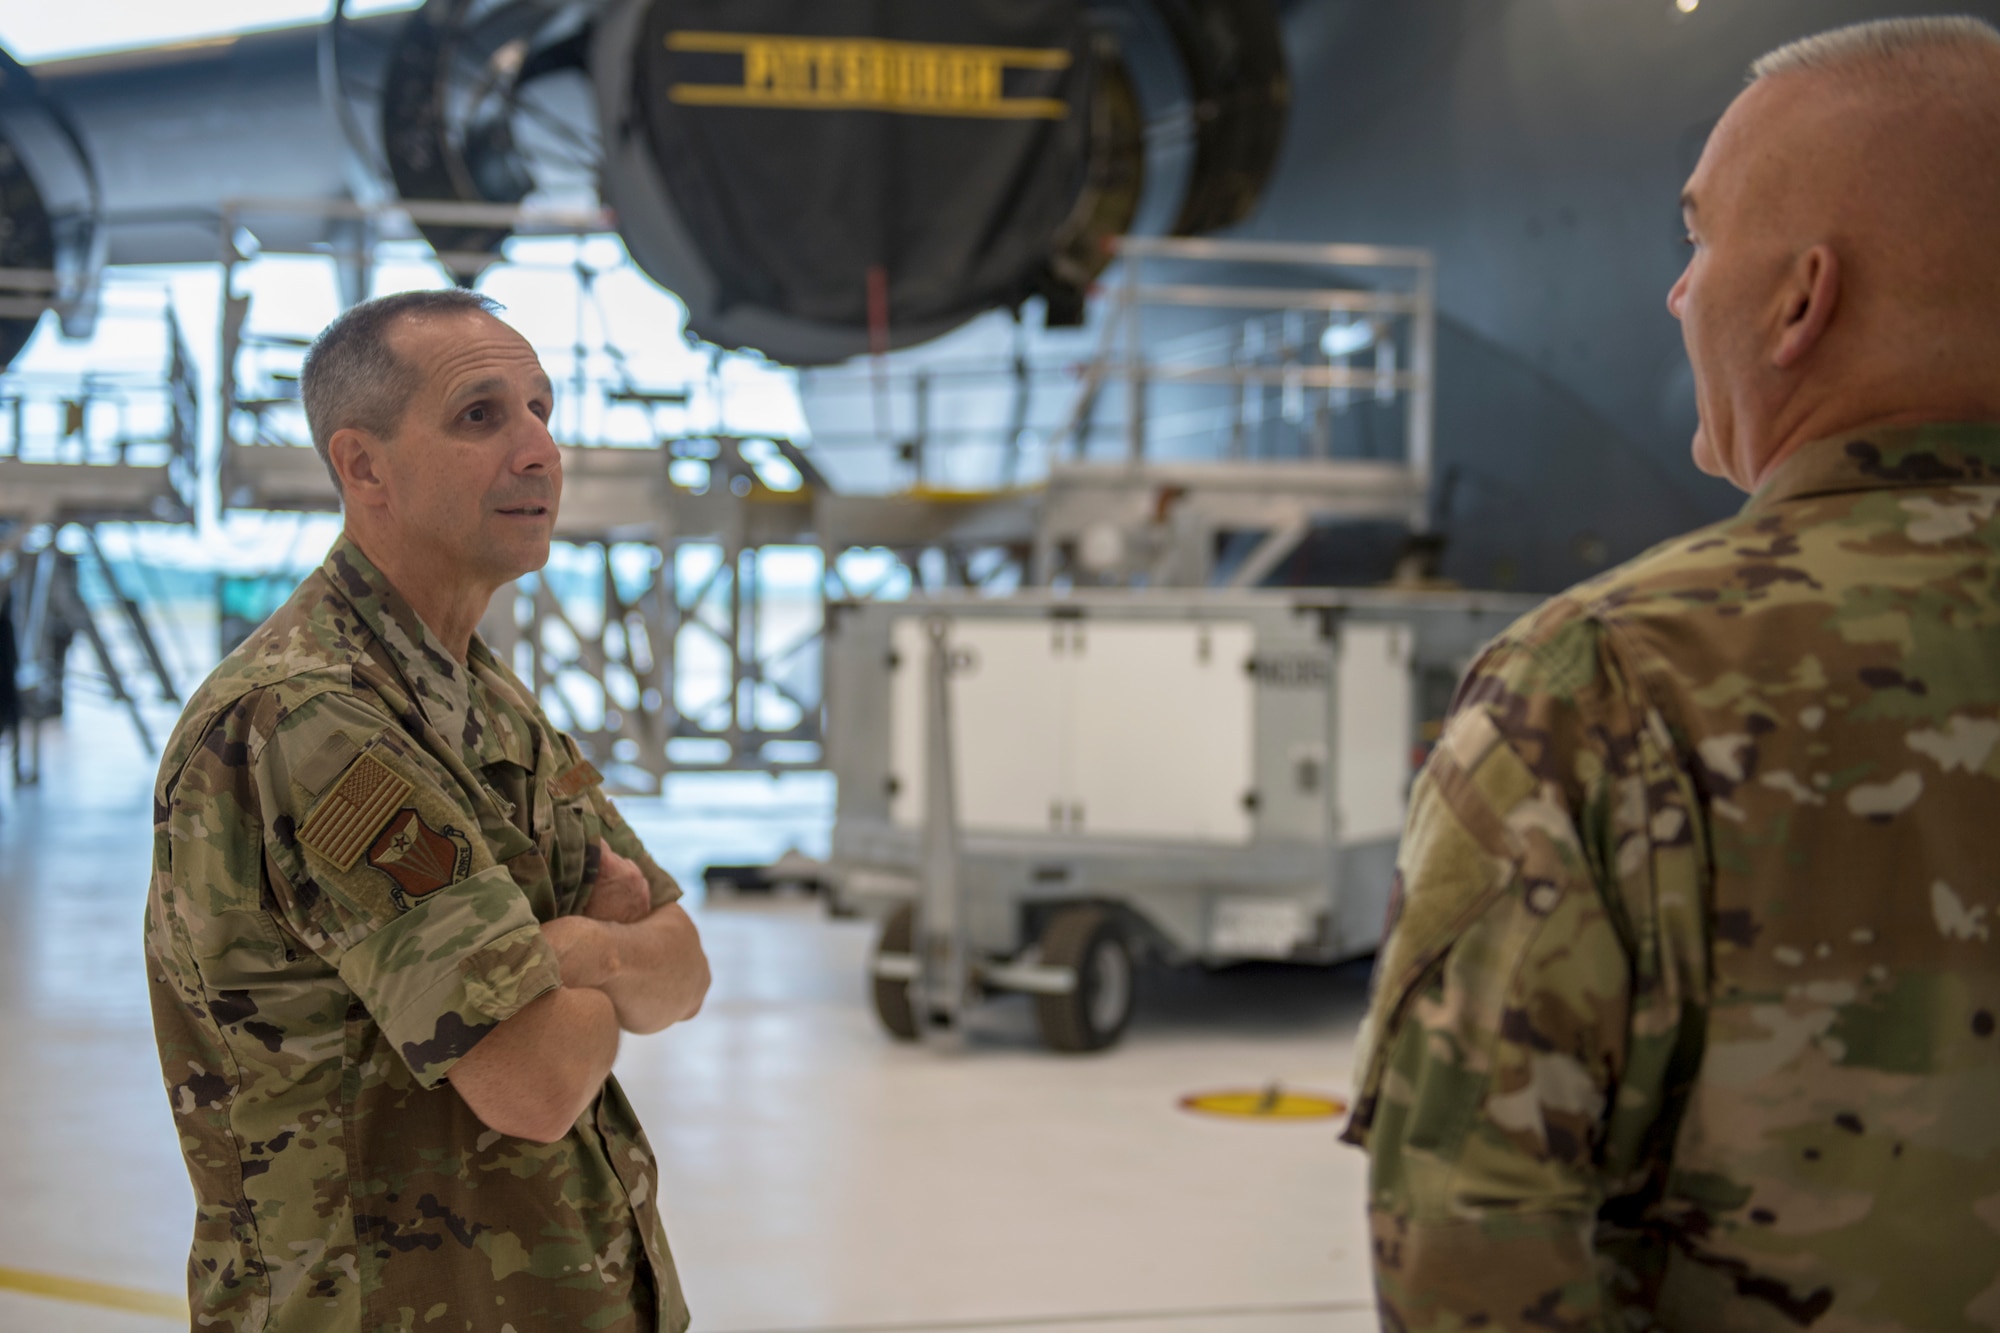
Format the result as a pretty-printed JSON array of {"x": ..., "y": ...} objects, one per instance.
[
  {"x": 586, "y": 949},
  {"x": 621, "y": 892}
]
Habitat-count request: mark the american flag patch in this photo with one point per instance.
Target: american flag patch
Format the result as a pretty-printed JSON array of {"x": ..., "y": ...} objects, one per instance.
[
  {"x": 573, "y": 780},
  {"x": 343, "y": 824}
]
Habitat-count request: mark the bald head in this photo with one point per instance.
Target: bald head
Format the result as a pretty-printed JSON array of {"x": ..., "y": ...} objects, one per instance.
[
  {"x": 1917, "y": 49},
  {"x": 1887, "y": 136},
  {"x": 1843, "y": 214}
]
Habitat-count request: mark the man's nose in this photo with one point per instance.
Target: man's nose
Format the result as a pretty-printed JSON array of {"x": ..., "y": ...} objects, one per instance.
[
  {"x": 1677, "y": 295},
  {"x": 536, "y": 450}
]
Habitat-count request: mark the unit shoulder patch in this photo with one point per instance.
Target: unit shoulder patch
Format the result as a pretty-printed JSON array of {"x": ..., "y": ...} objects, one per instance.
[
  {"x": 420, "y": 859},
  {"x": 347, "y": 819}
]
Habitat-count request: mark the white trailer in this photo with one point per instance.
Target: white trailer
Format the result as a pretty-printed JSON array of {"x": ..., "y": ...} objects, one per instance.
[{"x": 1200, "y": 776}]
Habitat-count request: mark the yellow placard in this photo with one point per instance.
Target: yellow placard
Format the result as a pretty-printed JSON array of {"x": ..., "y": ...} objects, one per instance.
[
  {"x": 865, "y": 74},
  {"x": 49, "y": 1286},
  {"x": 1272, "y": 1103}
]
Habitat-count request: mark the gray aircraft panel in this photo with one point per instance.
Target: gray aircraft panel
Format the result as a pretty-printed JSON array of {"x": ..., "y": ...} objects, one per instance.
[
  {"x": 1538, "y": 147},
  {"x": 176, "y": 130}
]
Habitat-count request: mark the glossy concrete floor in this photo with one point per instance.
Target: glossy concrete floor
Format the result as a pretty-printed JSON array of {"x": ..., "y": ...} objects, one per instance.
[{"x": 816, "y": 1176}]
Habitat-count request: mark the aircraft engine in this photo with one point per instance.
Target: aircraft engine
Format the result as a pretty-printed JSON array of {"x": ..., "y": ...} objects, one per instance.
[
  {"x": 466, "y": 112},
  {"x": 51, "y": 245},
  {"x": 816, "y": 181}
]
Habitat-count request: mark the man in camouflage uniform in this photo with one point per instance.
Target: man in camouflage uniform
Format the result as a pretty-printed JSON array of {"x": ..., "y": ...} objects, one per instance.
[
  {"x": 1687, "y": 1016},
  {"x": 395, "y": 925}
]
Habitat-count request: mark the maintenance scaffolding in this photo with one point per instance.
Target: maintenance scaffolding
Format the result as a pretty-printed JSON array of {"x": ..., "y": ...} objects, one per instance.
[{"x": 1226, "y": 399}]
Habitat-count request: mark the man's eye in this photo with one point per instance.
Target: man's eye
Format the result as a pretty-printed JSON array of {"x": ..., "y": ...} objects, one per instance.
[{"x": 475, "y": 414}]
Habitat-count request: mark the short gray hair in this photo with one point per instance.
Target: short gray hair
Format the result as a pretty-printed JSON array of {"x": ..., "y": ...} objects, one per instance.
[
  {"x": 353, "y": 377},
  {"x": 1899, "y": 45}
]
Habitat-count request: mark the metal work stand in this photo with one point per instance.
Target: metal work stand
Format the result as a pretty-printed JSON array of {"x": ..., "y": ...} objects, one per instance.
[{"x": 940, "y": 987}]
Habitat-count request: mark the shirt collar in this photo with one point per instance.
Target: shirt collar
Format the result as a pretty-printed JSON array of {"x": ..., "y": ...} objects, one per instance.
[
  {"x": 437, "y": 682},
  {"x": 1886, "y": 458}
]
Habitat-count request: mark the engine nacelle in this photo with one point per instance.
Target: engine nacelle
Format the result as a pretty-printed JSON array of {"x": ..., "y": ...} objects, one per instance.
[
  {"x": 815, "y": 181},
  {"x": 51, "y": 241}
]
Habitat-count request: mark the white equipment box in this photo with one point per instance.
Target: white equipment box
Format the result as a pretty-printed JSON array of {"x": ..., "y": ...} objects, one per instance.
[{"x": 1210, "y": 776}]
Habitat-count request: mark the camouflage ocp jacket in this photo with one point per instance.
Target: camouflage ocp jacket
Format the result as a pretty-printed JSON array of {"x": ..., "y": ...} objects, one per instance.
[
  {"x": 1687, "y": 1016},
  {"x": 356, "y": 840}
]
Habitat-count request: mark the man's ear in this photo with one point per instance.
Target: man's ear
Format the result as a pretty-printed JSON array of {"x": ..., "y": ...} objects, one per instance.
[
  {"x": 1812, "y": 290},
  {"x": 357, "y": 458}
]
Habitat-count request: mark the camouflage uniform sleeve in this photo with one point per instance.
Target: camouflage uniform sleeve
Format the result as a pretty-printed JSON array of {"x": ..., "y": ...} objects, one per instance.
[
  {"x": 626, "y": 843},
  {"x": 378, "y": 865},
  {"x": 617, "y": 833},
  {"x": 1526, "y": 1046}
]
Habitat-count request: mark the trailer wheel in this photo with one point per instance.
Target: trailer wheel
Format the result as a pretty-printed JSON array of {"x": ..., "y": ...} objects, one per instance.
[
  {"x": 1093, "y": 1015},
  {"x": 892, "y": 995}
]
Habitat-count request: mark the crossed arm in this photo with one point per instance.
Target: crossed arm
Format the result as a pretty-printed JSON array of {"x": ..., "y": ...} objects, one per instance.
[{"x": 625, "y": 965}]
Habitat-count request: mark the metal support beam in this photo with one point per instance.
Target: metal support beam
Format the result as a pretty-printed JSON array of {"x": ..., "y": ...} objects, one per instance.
[
  {"x": 1268, "y": 554},
  {"x": 939, "y": 994}
]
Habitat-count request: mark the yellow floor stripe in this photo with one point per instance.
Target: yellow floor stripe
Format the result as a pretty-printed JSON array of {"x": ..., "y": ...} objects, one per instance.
[{"x": 93, "y": 1293}]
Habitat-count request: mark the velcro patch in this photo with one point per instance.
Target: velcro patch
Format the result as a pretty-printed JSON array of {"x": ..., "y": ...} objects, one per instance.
[
  {"x": 570, "y": 781},
  {"x": 1470, "y": 737},
  {"x": 326, "y": 763},
  {"x": 343, "y": 824}
]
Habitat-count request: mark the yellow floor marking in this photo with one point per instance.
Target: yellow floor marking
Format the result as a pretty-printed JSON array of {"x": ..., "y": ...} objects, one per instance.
[
  {"x": 1272, "y": 1103},
  {"x": 80, "y": 1292}
]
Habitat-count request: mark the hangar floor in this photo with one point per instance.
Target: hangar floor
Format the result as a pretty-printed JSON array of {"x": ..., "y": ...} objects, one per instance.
[{"x": 817, "y": 1178}]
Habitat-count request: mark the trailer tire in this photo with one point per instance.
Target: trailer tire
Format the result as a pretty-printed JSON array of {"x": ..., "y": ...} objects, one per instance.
[
  {"x": 892, "y": 997},
  {"x": 1092, "y": 1016}
]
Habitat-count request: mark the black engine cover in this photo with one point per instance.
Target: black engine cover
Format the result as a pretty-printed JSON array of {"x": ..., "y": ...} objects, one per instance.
[{"x": 818, "y": 177}]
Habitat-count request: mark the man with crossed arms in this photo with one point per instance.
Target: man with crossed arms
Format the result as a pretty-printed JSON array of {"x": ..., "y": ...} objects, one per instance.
[{"x": 395, "y": 926}]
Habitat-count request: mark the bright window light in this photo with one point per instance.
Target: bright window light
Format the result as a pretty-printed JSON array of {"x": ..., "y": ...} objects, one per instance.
[
  {"x": 51, "y": 32},
  {"x": 1346, "y": 339}
]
